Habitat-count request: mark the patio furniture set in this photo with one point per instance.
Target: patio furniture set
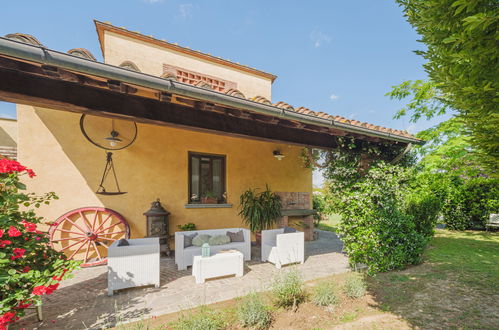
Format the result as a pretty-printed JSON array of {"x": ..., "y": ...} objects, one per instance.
[{"x": 136, "y": 262}]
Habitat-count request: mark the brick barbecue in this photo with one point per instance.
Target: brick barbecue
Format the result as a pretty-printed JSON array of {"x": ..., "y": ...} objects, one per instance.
[{"x": 297, "y": 212}]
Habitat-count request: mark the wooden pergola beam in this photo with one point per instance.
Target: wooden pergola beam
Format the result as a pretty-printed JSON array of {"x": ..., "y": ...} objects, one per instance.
[{"x": 35, "y": 89}]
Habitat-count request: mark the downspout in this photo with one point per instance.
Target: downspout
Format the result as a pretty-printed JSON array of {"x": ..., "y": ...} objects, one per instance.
[{"x": 70, "y": 62}]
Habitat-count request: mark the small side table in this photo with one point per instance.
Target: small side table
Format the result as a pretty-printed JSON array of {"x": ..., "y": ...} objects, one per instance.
[{"x": 220, "y": 264}]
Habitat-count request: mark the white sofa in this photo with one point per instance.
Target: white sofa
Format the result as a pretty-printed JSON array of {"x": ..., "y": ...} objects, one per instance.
[
  {"x": 281, "y": 249},
  {"x": 133, "y": 265},
  {"x": 184, "y": 256}
]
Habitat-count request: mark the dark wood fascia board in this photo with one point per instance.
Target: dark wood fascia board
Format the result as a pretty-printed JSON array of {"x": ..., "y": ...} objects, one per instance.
[{"x": 49, "y": 92}]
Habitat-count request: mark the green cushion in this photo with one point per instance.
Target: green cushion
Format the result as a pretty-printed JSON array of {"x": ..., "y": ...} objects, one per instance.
[
  {"x": 219, "y": 240},
  {"x": 200, "y": 240}
]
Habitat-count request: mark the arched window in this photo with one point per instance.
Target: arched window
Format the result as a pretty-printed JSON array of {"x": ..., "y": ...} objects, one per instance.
[
  {"x": 82, "y": 52},
  {"x": 26, "y": 38}
]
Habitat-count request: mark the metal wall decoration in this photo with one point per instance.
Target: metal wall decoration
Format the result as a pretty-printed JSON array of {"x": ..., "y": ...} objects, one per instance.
[
  {"x": 109, "y": 168},
  {"x": 108, "y": 133}
]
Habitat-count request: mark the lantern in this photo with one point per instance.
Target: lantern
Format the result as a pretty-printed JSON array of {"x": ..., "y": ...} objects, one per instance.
[
  {"x": 157, "y": 225},
  {"x": 205, "y": 250}
]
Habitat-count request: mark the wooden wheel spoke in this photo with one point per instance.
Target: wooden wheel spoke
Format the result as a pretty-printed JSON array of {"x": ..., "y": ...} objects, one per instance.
[
  {"x": 96, "y": 250},
  {"x": 95, "y": 219},
  {"x": 103, "y": 222},
  {"x": 118, "y": 223},
  {"x": 67, "y": 239},
  {"x": 85, "y": 220},
  {"x": 76, "y": 251},
  {"x": 67, "y": 247},
  {"x": 67, "y": 231},
  {"x": 113, "y": 233},
  {"x": 74, "y": 224},
  {"x": 86, "y": 252},
  {"x": 103, "y": 244},
  {"x": 107, "y": 239}
]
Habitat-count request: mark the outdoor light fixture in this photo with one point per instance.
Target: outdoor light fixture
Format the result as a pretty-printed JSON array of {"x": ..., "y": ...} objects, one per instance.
[
  {"x": 113, "y": 138},
  {"x": 278, "y": 155}
]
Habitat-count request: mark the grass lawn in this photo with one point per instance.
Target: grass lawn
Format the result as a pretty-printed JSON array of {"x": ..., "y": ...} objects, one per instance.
[{"x": 456, "y": 287}]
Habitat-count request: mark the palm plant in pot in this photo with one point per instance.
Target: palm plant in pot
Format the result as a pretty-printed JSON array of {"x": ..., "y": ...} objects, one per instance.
[{"x": 259, "y": 210}]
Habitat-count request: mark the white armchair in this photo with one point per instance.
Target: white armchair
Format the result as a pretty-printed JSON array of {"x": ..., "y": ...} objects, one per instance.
[
  {"x": 281, "y": 249},
  {"x": 133, "y": 265}
]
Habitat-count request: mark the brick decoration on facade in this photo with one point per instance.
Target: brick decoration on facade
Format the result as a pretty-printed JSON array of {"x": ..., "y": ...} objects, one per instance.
[{"x": 195, "y": 78}]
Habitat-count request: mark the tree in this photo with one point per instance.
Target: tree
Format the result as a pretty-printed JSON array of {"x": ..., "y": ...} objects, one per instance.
[{"x": 461, "y": 41}]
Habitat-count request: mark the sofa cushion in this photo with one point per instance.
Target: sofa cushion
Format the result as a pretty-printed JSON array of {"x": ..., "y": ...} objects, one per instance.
[
  {"x": 200, "y": 239},
  {"x": 219, "y": 240},
  {"x": 188, "y": 239},
  {"x": 238, "y": 236},
  {"x": 289, "y": 230},
  {"x": 123, "y": 242}
]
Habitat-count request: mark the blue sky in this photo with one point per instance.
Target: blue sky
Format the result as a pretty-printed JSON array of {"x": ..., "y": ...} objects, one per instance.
[{"x": 335, "y": 56}]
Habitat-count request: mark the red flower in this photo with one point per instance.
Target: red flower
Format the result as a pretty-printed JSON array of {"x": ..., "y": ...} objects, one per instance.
[
  {"x": 7, "y": 318},
  {"x": 10, "y": 166},
  {"x": 39, "y": 290},
  {"x": 18, "y": 253},
  {"x": 26, "y": 269},
  {"x": 30, "y": 227},
  {"x": 1, "y": 232},
  {"x": 14, "y": 232},
  {"x": 4, "y": 243},
  {"x": 24, "y": 304},
  {"x": 51, "y": 288}
]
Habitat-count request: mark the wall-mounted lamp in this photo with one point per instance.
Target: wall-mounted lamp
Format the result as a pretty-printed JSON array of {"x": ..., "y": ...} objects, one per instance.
[{"x": 278, "y": 154}]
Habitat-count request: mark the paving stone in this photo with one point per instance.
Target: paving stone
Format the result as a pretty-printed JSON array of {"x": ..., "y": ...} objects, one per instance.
[{"x": 82, "y": 302}]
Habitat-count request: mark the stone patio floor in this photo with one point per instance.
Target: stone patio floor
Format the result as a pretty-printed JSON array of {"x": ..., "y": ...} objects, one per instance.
[{"x": 82, "y": 302}]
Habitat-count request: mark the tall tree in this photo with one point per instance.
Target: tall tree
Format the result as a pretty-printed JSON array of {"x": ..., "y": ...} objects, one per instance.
[{"x": 461, "y": 38}]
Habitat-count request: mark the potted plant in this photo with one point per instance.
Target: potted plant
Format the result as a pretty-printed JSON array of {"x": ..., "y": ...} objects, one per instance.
[
  {"x": 259, "y": 210},
  {"x": 209, "y": 198}
]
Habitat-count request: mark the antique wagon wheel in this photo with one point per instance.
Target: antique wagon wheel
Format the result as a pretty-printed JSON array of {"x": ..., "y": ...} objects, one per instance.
[{"x": 86, "y": 234}]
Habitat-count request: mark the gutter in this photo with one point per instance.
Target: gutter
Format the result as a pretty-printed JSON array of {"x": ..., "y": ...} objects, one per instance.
[{"x": 66, "y": 61}]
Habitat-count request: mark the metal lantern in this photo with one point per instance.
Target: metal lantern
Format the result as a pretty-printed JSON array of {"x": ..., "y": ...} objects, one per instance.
[
  {"x": 205, "y": 250},
  {"x": 157, "y": 224}
]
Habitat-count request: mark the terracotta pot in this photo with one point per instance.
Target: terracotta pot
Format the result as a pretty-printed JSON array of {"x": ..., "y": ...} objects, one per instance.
[
  {"x": 258, "y": 238},
  {"x": 209, "y": 200}
]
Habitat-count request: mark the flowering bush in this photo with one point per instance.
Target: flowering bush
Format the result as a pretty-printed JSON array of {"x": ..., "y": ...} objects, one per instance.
[{"x": 29, "y": 267}]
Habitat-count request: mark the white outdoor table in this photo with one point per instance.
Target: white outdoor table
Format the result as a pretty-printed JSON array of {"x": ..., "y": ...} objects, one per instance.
[{"x": 220, "y": 264}]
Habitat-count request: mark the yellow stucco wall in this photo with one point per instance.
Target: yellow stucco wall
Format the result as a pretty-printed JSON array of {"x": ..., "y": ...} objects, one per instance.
[
  {"x": 155, "y": 166},
  {"x": 8, "y": 132},
  {"x": 150, "y": 59}
]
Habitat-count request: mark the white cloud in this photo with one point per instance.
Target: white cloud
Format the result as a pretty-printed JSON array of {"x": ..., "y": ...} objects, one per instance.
[
  {"x": 153, "y": 1},
  {"x": 371, "y": 111},
  {"x": 185, "y": 10},
  {"x": 333, "y": 97},
  {"x": 319, "y": 38},
  {"x": 352, "y": 116}
]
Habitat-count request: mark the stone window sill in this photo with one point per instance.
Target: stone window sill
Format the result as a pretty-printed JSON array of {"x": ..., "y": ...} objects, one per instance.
[{"x": 207, "y": 206}]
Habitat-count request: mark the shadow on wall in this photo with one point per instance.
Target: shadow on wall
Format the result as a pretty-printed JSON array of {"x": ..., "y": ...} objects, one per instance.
[
  {"x": 137, "y": 168},
  {"x": 6, "y": 140}
]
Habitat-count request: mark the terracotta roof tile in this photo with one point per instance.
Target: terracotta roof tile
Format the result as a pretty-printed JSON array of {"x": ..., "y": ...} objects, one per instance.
[
  {"x": 82, "y": 52},
  {"x": 283, "y": 105},
  {"x": 203, "y": 84},
  {"x": 261, "y": 99},
  {"x": 235, "y": 92},
  {"x": 26, "y": 38}
]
